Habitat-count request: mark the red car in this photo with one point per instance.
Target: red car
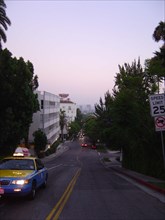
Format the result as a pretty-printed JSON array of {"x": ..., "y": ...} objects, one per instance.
[
  {"x": 84, "y": 145},
  {"x": 93, "y": 146}
]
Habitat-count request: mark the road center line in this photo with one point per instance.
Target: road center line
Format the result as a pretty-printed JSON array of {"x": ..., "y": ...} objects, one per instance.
[{"x": 56, "y": 211}]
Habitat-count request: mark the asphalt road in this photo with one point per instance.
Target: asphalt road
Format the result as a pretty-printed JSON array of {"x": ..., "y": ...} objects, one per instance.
[{"x": 81, "y": 188}]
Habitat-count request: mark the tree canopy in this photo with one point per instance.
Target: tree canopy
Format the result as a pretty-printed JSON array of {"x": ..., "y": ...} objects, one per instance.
[
  {"x": 159, "y": 35},
  {"x": 63, "y": 122},
  {"x": 40, "y": 141},
  {"x": 125, "y": 122},
  {"x": 17, "y": 98}
]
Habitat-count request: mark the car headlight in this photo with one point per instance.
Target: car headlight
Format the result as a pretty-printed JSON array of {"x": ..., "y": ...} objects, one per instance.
[{"x": 20, "y": 182}]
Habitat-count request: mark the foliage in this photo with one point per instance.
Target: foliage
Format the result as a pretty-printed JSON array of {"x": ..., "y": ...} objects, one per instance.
[
  {"x": 62, "y": 122},
  {"x": 62, "y": 119},
  {"x": 79, "y": 117},
  {"x": 103, "y": 112},
  {"x": 17, "y": 98},
  {"x": 159, "y": 34},
  {"x": 4, "y": 21},
  {"x": 134, "y": 127},
  {"x": 91, "y": 129},
  {"x": 74, "y": 128},
  {"x": 156, "y": 71},
  {"x": 124, "y": 122},
  {"x": 40, "y": 141},
  {"x": 53, "y": 148}
]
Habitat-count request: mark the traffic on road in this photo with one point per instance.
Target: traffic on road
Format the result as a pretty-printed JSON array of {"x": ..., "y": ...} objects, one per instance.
[{"x": 80, "y": 187}]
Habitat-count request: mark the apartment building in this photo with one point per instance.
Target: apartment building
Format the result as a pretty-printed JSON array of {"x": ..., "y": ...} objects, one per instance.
[
  {"x": 47, "y": 118},
  {"x": 69, "y": 107}
]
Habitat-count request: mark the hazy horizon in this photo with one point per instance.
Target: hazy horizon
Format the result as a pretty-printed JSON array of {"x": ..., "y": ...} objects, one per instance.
[{"x": 76, "y": 46}]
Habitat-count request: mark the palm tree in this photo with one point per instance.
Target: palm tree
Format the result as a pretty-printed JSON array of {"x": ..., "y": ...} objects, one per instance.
[
  {"x": 4, "y": 21},
  {"x": 62, "y": 123},
  {"x": 159, "y": 32}
]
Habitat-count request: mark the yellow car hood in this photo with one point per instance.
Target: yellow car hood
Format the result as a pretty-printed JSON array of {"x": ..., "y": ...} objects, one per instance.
[{"x": 15, "y": 173}]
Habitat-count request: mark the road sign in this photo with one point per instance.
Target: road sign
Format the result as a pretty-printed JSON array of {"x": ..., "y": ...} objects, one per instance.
[
  {"x": 160, "y": 123},
  {"x": 157, "y": 104}
]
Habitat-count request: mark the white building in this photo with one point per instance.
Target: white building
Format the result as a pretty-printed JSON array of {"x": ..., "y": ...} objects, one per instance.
[
  {"x": 47, "y": 118},
  {"x": 69, "y": 107}
]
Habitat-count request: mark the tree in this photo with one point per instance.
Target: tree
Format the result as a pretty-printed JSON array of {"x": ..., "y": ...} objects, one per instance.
[
  {"x": 155, "y": 71},
  {"x": 17, "y": 98},
  {"x": 4, "y": 21},
  {"x": 133, "y": 127},
  {"x": 74, "y": 128},
  {"x": 79, "y": 117},
  {"x": 159, "y": 34},
  {"x": 40, "y": 141},
  {"x": 62, "y": 123},
  {"x": 103, "y": 112},
  {"x": 91, "y": 129}
]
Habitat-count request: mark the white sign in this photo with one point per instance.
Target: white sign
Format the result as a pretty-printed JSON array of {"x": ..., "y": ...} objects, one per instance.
[
  {"x": 160, "y": 123},
  {"x": 157, "y": 104}
]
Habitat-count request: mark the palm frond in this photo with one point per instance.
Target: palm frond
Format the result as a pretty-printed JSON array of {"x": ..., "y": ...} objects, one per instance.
[
  {"x": 3, "y": 24},
  {"x": 2, "y": 35},
  {"x": 2, "y": 3},
  {"x": 159, "y": 32}
]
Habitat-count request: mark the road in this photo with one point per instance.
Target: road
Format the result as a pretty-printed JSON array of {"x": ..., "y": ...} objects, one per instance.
[{"x": 81, "y": 188}]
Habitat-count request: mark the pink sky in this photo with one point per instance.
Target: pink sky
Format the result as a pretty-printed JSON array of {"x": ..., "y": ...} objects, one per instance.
[{"x": 76, "y": 46}]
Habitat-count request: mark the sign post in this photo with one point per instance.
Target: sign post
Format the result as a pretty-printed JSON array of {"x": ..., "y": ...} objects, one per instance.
[
  {"x": 157, "y": 106},
  {"x": 163, "y": 147}
]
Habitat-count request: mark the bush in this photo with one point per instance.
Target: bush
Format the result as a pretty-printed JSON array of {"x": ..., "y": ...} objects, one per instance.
[{"x": 40, "y": 141}]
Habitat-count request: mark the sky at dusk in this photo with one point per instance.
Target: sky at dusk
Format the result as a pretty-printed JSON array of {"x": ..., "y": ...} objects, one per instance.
[{"x": 76, "y": 46}]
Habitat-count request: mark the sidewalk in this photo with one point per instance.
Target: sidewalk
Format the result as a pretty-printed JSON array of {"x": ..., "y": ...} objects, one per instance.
[
  {"x": 144, "y": 180},
  {"x": 60, "y": 149}
]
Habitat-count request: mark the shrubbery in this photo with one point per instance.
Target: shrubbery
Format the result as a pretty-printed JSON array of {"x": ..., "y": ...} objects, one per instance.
[{"x": 53, "y": 148}]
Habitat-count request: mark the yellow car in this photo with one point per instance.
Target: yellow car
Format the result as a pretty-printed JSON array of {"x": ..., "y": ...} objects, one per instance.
[{"x": 21, "y": 176}]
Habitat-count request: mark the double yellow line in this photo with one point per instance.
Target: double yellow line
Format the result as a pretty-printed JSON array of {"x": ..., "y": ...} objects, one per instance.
[{"x": 56, "y": 211}]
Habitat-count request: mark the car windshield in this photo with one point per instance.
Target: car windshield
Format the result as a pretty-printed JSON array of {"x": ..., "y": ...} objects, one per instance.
[{"x": 17, "y": 164}]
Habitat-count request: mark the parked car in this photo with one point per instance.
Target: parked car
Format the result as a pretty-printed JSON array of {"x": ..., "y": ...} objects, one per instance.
[
  {"x": 22, "y": 175},
  {"x": 93, "y": 146}
]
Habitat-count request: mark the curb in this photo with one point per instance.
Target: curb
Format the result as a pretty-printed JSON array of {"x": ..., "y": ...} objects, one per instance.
[
  {"x": 138, "y": 180},
  {"x": 142, "y": 182},
  {"x": 60, "y": 150}
]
